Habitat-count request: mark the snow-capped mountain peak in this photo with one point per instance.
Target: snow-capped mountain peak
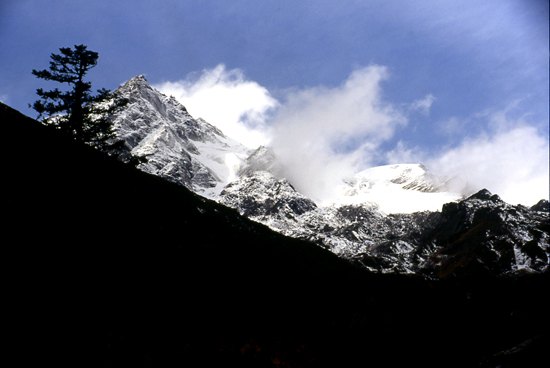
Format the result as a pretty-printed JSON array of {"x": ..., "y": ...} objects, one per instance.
[
  {"x": 406, "y": 176},
  {"x": 178, "y": 147}
]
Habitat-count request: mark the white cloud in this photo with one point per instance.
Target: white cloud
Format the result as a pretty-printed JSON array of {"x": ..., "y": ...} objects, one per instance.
[
  {"x": 509, "y": 157},
  {"x": 226, "y": 99},
  {"x": 423, "y": 105},
  {"x": 402, "y": 154},
  {"x": 452, "y": 126},
  {"x": 4, "y": 99},
  {"x": 319, "y": 134},
  {"x": 512, "y": 163},
  {"x": 322, "y": 134}
]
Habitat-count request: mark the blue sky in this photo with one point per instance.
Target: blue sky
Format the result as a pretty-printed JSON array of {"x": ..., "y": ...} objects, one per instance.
[{"x": 335, "y": 86}]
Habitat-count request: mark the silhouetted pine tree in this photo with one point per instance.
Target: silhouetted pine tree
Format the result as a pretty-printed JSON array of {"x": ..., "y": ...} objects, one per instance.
[{"x": 77, "y": 112}]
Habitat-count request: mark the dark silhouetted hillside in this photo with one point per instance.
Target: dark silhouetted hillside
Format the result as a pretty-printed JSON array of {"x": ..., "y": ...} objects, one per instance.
[{"x": 143, "y": 273}]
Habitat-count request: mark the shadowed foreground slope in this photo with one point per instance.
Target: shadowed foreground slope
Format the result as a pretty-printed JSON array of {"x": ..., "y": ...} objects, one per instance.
[{"x": 171, "y": 279}]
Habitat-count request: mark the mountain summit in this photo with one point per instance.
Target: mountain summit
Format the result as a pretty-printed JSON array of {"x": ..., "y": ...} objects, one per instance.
[{"x": 184, "y": 150}]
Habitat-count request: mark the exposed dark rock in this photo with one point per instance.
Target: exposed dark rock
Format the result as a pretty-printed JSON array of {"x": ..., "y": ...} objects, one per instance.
[
  {"x": 481, "y": 235},
  {"x": 265, "y": 198},
  {"x": 542, "y": 206}
]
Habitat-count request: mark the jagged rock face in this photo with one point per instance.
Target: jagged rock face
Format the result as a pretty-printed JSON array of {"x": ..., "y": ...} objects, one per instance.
[
  {"x": 483, "y": 234},
  {"x": 381, "y": 243},
  {"x": 258, "y": 194},
  {"x": 264, "y": 198},
  {"x": 479, "y": 235},
  {"x": 160, "y": 128}
]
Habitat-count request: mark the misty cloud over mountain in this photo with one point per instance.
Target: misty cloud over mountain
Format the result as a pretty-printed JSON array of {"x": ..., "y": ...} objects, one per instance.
[{"x": 322, "y": 135}]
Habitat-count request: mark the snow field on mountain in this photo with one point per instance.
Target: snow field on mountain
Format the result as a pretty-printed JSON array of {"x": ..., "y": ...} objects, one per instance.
[
  {"x": 391, "y": 198},
  {"x": 222, "y": 160},
  {"x": 404, "y": 188}
]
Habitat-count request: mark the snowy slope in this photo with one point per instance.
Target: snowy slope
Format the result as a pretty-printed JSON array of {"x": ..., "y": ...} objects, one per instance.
[
  {"x": 224, "y": 160},
  {"x": 404, "y": 188}
]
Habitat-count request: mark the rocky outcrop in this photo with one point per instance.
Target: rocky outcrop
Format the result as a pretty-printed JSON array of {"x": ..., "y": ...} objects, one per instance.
[
  {"x": 481, "y": 235},
  {"x": 264, "y": 198}
]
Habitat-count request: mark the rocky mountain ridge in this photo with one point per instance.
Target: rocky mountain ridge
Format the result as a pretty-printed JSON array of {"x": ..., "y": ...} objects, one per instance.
[
  {"x": 178, "y": 147},
  {"x": 480, "y": 233}
]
